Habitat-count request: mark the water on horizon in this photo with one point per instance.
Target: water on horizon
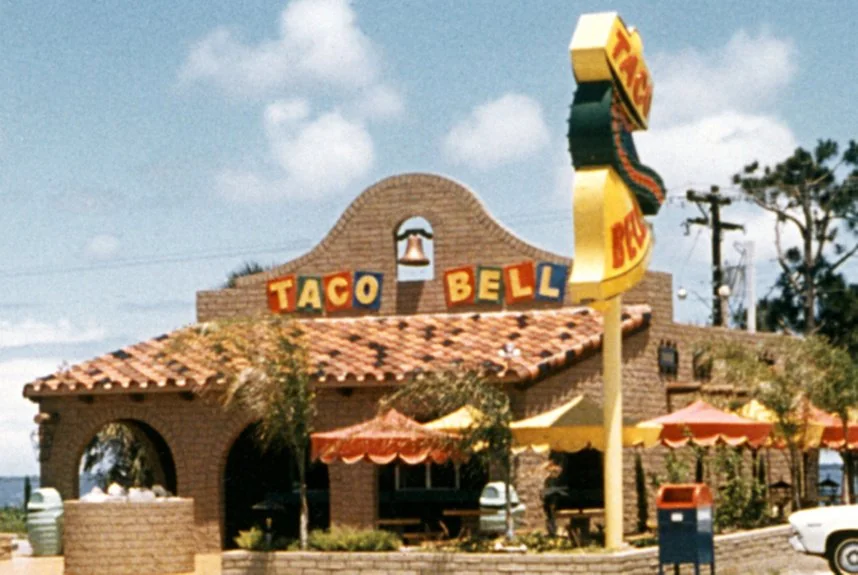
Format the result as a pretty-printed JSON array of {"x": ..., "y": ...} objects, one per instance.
[{"x": 12, "y": 489}]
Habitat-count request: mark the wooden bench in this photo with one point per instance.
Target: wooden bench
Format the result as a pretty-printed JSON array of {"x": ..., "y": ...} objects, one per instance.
[
  {"x": 470, "y": 518},
  {"x": 578, "y": 528}
]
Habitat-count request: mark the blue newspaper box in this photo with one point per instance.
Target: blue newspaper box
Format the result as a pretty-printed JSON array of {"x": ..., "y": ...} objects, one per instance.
[{"x": 685, "y": 526}]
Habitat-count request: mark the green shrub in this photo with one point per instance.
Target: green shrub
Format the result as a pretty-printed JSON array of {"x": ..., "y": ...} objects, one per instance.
[
  {"x": 254, "y": 540},
  {"x": 343, "y": 538},
  {"x": 13, "y": 520},
  {"x": 541, "y": 542}
]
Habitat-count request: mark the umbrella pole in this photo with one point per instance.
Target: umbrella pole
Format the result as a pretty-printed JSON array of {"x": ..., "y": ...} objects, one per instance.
[{"x": 612, "y": 351}]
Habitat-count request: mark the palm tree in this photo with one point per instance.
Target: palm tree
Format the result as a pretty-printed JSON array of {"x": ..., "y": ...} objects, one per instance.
[{"x": 264, "y": 363}]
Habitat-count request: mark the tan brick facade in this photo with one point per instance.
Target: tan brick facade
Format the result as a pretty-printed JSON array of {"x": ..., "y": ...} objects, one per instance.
[
  {"x": 129, "y": 538},
  {"x": 199, "y": 433}
]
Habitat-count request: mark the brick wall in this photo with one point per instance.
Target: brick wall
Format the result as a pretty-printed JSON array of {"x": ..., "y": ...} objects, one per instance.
[
  {"x": 751, "y": 553},
  {"x": 129, "y": 538},
  {"x": 6, "y": 546},
  {"x": 200, "y": 434}
]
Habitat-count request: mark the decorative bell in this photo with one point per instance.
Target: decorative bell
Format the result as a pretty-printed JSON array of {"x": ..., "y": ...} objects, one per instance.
[{"x": 414, "y": 255}]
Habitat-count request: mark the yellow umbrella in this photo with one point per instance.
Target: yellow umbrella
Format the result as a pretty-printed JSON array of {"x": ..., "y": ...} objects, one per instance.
[
  {"x": 573, "y": 426},
  {"x": 456, "y": 421},
  {"x": 810, "y": 436}
]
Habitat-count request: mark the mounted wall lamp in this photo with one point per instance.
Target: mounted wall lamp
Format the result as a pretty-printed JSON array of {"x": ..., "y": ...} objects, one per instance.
[{"x": 42, "y": 438}]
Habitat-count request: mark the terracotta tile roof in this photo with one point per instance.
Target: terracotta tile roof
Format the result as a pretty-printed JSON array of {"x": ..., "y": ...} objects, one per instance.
[{"x": 367, "y": 350}]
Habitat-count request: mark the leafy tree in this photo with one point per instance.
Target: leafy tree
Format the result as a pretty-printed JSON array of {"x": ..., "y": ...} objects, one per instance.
[
  {"x": 248, "y": 268},
  {"x": 836, "y": 391},
  {"x": 116, "y": 455},
  {"x": 28, "y": 491},
  {"x": 780, "y": 387},
  {"x": 741, "y": 498},
  {"x": 836, "y": 309},
  {"x": 489, "y": 438},
  {"x": 267, "y": 372},
  {"x": 640, "y": 489},
  {"x": 806, "y": 192}
]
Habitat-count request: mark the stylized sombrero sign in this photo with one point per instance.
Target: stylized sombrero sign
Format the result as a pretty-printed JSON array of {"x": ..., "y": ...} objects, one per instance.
[{"x": 613, "y": 190}]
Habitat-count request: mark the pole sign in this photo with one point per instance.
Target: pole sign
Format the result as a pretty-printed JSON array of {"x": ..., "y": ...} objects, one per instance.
[{"x": 612, "y": 190}]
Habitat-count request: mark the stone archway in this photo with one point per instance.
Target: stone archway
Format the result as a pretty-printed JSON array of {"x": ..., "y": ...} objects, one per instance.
[{"x": 129, "y": 440}]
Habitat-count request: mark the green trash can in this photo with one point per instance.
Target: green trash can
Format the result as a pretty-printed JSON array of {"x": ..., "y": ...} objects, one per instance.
[{"x": 45, "y": 522}]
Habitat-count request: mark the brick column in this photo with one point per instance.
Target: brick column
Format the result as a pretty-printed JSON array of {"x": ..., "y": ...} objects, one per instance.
[
  {"x": 354, "y": 494},
  {"x": 529, "y": 481}
]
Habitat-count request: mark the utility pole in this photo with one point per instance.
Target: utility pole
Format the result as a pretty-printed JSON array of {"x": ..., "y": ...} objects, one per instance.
[
  {"x": 750, "y": 287},
  {"x": 713, "y": 220}
]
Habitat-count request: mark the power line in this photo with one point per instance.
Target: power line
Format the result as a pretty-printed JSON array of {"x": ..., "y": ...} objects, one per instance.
[{"x": 180, "y": 257}]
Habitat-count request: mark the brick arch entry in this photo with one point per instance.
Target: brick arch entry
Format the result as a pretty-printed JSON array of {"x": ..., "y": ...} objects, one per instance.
[
  {"x": 156, "y": 447},
  {"x": 251, "y": 475},
  {"x": 62, "y": 470}
]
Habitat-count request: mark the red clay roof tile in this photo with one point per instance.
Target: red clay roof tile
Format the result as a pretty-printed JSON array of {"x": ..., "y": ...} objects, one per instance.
[{"x": 367, "y": 349}]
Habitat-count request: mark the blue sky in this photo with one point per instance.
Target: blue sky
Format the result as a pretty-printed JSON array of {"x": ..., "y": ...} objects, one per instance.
[{"x": 148, "y": 149}]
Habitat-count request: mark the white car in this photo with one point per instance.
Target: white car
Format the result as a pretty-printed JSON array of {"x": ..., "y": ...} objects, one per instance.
[{"x": 831, "y": 532}]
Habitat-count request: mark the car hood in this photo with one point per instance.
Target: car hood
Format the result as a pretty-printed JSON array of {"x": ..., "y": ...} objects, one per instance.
[{"x": 822, "y": 514}]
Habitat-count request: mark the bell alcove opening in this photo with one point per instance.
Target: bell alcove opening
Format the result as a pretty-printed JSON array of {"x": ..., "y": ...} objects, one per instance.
[{"x": 415, "y": 253}]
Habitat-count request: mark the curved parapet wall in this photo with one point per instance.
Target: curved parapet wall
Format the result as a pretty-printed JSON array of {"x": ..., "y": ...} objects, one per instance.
[
  {"x": 121, "y": 538},
  {"x": 464, "y": 234}
]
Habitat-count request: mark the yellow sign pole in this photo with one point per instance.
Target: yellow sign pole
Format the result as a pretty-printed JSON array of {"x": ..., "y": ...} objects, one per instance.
[
  {"x": 612, "y": 362},
  {"x": 612, "y": 193}
]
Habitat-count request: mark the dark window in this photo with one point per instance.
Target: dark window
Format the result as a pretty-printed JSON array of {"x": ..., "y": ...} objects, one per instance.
[
  {"x": 668, "y": 359},
  {"x": 443, "y": 476},
  {"x": 412, "y": 476}
]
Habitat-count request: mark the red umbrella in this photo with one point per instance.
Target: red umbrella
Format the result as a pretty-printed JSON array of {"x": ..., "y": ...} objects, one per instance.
[
  {"x": 382, "y": 440},
  {"x": 705, "y": 425},
  {"x": 832, "y": 434}
]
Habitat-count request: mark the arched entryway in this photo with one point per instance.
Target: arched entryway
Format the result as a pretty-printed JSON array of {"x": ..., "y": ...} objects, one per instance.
[
  {"x": 269, "y": 479},
  {"x": 128, "y": 452}
]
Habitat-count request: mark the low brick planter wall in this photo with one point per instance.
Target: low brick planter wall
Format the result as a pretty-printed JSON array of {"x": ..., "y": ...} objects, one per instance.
[
  {"x": 6, "y": 546},
  {"x": 757, "y": 551},
  {"x": 134, "y": 538}
]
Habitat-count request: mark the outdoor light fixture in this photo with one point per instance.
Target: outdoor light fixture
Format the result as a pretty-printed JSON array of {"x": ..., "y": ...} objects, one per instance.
[
  {"x": 414, "y": 254},
  {"x": 781, "y": 494},
  {"x": 43, "y": 438},
  {"x": 682, "y": 293},
  {"x": 724, "y": 291}
]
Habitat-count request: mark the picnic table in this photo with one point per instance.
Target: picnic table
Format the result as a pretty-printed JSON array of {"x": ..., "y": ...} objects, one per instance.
[{"x": 578, "y": 528}]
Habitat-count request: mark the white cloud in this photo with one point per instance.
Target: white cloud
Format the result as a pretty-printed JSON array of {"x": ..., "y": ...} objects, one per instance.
[
  {"x": 746, "y": 74},
  {"x": 102, "y": 247},
  {"x": 312, "y": 157},
  {"x": 31, "y": 332},
  {"x": 318, "y": 41},
  {"x": 711, "y": 111},
  {"x": 710, "y": 149},
  {"x": 498, "y": 132},
  {"x": 380, "y": 102},
  {"x": 16, "y": 413}
]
